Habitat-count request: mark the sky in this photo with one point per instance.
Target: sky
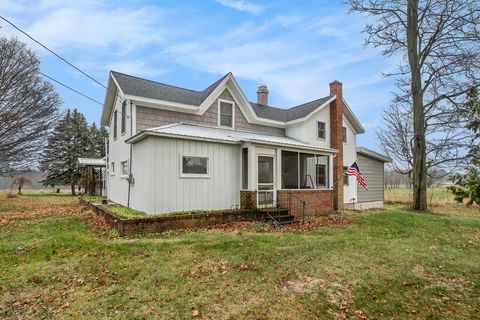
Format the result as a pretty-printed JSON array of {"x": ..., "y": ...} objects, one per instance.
[{"x": 294, "y": 47}]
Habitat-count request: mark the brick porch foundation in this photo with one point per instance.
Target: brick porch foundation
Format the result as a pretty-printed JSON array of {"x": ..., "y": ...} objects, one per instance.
[{"x": 318, "y": 202}]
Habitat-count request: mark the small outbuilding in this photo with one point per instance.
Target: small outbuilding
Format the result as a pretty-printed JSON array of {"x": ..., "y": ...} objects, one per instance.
[
  {"x": 93, "y": 176},
  {"x": 371, "y": 166}
]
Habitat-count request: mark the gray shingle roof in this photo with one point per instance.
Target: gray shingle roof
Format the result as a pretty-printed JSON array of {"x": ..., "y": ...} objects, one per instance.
[{"x": 156, "y": 90}]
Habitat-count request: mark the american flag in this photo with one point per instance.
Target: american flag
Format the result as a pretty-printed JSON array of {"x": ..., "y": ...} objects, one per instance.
[{"x": 353, "y": 170}]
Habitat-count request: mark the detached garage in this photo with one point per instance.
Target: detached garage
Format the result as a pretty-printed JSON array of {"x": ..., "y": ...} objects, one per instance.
[{"x": 371, "y": 165}]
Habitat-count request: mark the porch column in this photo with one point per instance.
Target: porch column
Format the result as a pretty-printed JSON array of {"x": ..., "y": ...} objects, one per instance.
[
  {"x": 252, "y": 167},
  {"x": 278, "y": 169}
]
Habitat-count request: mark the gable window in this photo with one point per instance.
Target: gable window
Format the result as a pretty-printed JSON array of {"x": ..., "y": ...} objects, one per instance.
[
  {"x": 194, "y": 167},
  {"x": 344, "y": 134},
  {"x": 115, "y": 125},
  {"x": 124, "y": 168},
  {"x": 346, "y": 181},
  {"x": 321, "y": 130},
  {"x": 124, "y": 116},
  {"x": 225, "y": 114},
  {"x": 112, "y": 168}
]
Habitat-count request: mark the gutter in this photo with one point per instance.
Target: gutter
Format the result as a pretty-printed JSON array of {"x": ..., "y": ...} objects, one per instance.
[{"x": 130, "y": 176}]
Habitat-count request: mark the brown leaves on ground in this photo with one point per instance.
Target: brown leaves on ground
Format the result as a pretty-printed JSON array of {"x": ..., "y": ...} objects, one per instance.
[
  {"x": 208, "y": 268},
  {"x": 311, "y": 224},
  {"x": 24, "y": 215}
]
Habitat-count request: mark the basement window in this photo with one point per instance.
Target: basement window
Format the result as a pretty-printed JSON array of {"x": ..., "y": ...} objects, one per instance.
[
  {"x": 225, "y": 114},
  {"x": 194, "y": 167}
]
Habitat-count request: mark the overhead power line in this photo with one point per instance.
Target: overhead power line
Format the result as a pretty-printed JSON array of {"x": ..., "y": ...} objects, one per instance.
[
  {"x": 70, "y": 88},
  {"x": 54, "y": 53}
]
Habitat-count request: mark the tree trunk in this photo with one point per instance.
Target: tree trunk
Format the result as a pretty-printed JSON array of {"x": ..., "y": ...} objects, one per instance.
[
  {"x": 73, "y": 189},
  {"x": 419, "y": 146},
  {"x": 19, "y": 190}
]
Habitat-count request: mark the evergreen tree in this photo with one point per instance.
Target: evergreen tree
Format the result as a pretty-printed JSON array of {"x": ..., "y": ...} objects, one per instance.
[
  {"x": 70, "y": 140},
  {"x": 467, "y": 186}
]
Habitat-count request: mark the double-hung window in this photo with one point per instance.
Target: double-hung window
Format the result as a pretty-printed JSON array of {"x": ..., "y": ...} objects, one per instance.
[
  {"x": 344, "y": 134},
  {"x": 226, "y": 113},
  {"x": 115, "y": 125},
  {"x": 124, "y": 168},
  {"x": 124, "y": 116},
  {"x": 345, "y": 177},
  {"x": 321, "y": 130}
]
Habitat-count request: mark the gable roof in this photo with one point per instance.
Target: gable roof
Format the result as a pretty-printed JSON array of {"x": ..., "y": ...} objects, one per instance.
[
  {"x": 139, "y": 87},
  {"x": 135, "y": 86}
]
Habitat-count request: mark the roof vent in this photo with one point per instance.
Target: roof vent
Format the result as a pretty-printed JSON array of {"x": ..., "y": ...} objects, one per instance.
[{"x": 262, "y": 95}]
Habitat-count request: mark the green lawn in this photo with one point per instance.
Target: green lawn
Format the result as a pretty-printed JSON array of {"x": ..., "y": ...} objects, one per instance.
[{"x": 391, "y": 264}]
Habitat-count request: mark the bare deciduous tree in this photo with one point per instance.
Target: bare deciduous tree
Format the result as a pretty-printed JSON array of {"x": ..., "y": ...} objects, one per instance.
[
  {"x": 28, "y": 106},
  {"x": 21, "y": 181},
  {"x": 438, "y": 43}
]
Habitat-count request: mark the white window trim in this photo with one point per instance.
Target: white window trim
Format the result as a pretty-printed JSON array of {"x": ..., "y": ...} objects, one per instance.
[
  {"x": 112, "y": 168},
  {"x": 233, "y": 113},
  {"x": 124, "y": 131},
  {"x": 346, "y": 134},
  {"x": 123, "y": 176},
  {"x": 325, "y": 130},
  {"x": 194, "y": 175}
]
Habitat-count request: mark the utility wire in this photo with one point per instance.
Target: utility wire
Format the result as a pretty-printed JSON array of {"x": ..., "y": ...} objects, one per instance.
[
  {"x": 70, "y": 88},
  {"x": 54, "y": 53}
]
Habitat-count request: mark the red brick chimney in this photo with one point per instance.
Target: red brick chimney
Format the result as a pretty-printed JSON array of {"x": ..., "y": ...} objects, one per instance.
[
  {"x": 262, "y": 95},
  {"x": 336, "y": 142}
]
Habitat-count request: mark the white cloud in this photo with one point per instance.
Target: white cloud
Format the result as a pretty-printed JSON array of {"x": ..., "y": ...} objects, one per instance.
[
  {"x": 241, "y": 5},
  {"x": 85, "y": 26}
]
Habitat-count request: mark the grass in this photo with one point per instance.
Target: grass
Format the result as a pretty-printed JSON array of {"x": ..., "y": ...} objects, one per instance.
[
  {"x": 392, "y": 264},
  {"x": 130, "y": 213}
]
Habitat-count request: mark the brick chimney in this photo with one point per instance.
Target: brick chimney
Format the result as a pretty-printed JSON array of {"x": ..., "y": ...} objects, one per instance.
[
  {"x": 336, "y": 124},
  {"x": 262, "y": 95}
]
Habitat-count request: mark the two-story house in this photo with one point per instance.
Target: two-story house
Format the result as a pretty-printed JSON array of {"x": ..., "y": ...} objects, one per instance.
[{"x": 174, "y": 149}]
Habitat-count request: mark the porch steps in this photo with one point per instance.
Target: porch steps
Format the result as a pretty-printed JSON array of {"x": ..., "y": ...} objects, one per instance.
[{"x": 277, "y": 215}]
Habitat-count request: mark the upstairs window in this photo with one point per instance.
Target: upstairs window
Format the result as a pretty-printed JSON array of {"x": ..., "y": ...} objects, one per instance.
[
  {"x": 225, "y": 112},
  {"x": 321, "y": 130},
  {"x": 115, "y": 125},
  {"x": 112, "y": 168},
  {"x": 124, "y": 116},
  {"x": 344, "y": 134}
]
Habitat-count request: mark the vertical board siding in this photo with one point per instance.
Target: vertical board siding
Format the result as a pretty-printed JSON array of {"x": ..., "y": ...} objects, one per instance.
[
  {"x": 373, "y": 172},
  {"x": 160, "y": 189},
  {"x": 142, "y": 193}
]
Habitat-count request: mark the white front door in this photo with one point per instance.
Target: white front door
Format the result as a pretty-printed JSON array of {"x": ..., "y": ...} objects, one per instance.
[{"x": 266, "y": 195}]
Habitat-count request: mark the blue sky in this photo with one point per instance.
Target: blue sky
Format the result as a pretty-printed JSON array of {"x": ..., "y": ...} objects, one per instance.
[{"x": 295, "y": 47}]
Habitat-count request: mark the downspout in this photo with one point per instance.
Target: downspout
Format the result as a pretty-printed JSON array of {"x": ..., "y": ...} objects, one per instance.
[{"x": 130, "y": 176}]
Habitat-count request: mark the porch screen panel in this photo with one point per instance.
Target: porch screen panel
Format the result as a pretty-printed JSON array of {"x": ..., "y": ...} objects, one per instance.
[
  {"x": 322, "y": 171},
  {"x": 289, "y": 170},
  {"x": 307, "y": 171}
]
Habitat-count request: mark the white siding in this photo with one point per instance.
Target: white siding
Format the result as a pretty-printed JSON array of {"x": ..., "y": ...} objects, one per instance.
[
  {"x": 157, "y": 176},
  {"x": 349, "y": 157},
  {"x": 117, "y": 186},
  {"x": 308, "y": 131}
]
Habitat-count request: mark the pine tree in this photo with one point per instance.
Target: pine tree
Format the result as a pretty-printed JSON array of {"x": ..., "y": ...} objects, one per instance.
[{"x": 70, "y": 140}]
